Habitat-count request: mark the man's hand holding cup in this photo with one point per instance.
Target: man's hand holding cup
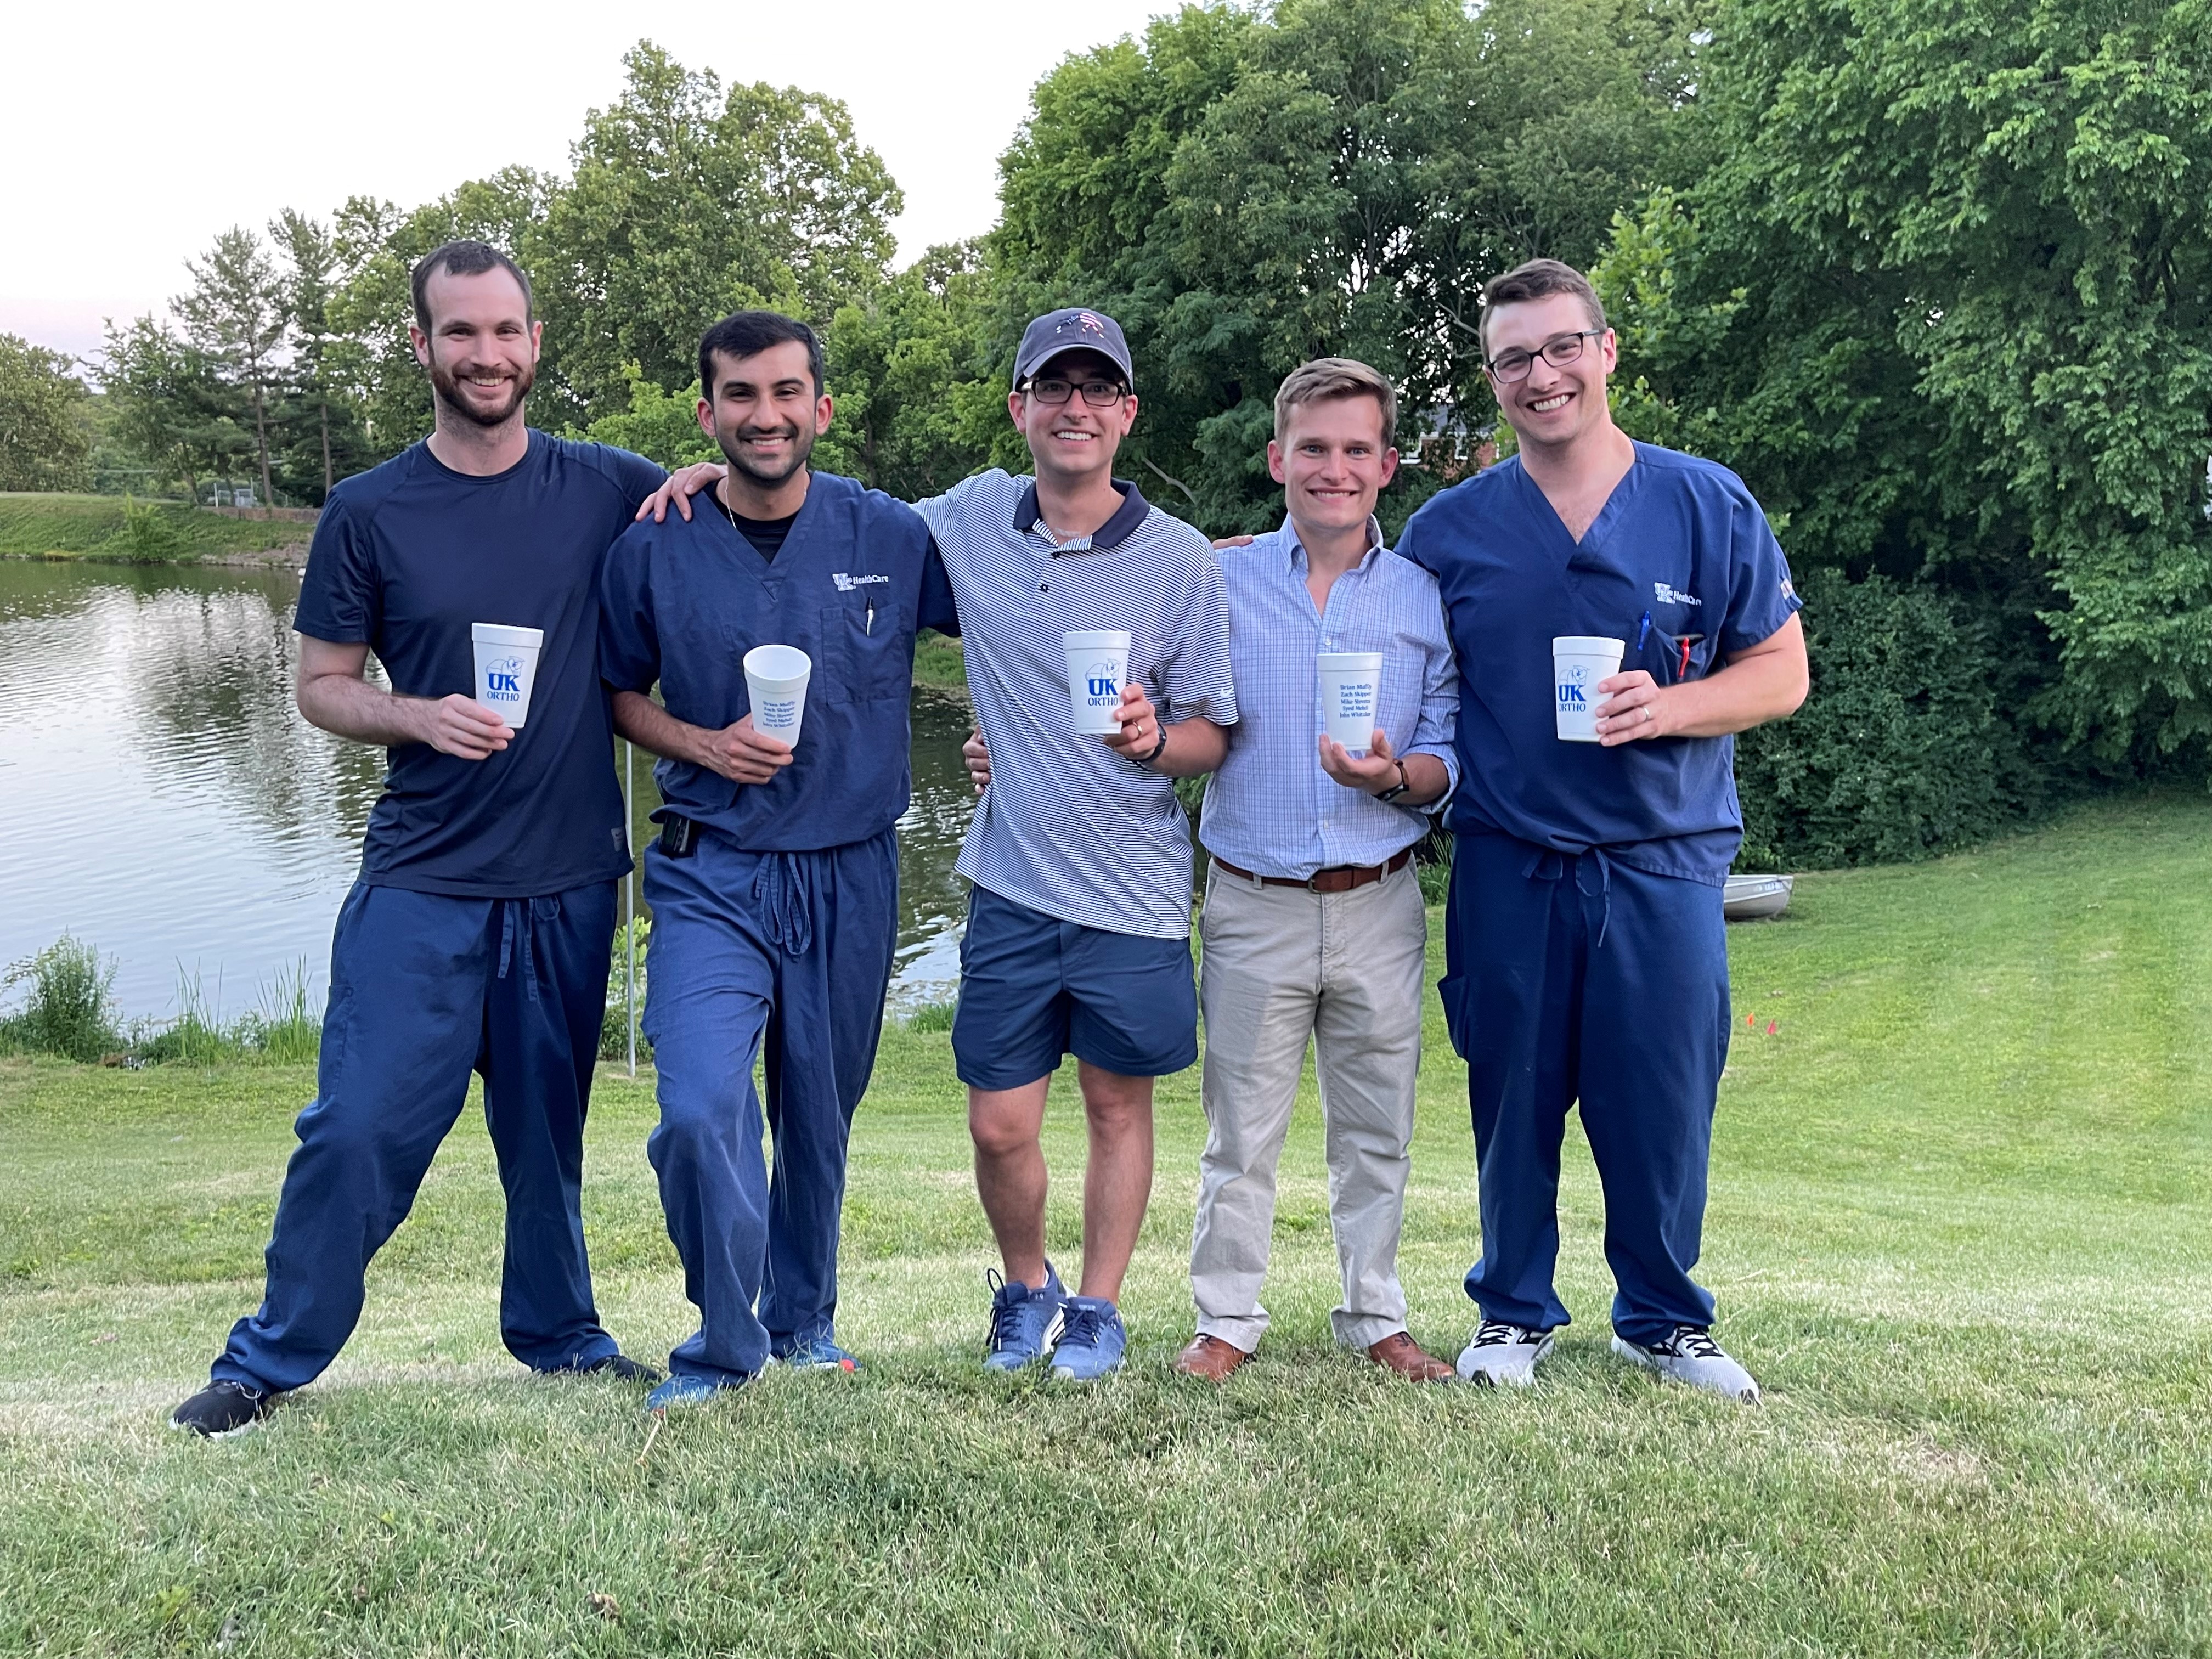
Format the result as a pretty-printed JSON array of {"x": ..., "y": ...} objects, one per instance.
[
  {"x": 1140, "y": 725},
  {"x": 1373, "y": 772},
  {"x": 464, "y": 727},
  {"x": 742, "y": 755},
  {"x": 1635, "y": 707}
]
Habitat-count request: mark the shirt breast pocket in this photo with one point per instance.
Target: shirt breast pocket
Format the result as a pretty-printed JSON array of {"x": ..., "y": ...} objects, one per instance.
[
  {"x": 869, "y": 651},
  {"x": 1672, "y": 659}
]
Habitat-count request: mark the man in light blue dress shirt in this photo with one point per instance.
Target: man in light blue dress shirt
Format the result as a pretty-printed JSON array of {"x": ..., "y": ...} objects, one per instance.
[{"x": 1314, "y": 927}]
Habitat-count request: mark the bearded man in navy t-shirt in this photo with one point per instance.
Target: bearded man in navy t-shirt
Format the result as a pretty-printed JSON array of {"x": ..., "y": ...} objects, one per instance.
[{"x": 478, "y": 933}]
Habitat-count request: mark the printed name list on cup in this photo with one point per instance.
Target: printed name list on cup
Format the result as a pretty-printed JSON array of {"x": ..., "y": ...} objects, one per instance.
[
  {"x": 507, "y": 667},
  {"x": 1350, "y": 696},
  {"x": 775, "y": 680}
]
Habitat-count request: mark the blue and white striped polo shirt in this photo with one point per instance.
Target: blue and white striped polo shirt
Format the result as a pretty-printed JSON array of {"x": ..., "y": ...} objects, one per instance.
[{"x": 1068, "y": 827}]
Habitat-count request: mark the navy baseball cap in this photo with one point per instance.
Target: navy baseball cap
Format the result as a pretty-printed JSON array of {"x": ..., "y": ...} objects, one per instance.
[{"x": 1071, "y": 330}]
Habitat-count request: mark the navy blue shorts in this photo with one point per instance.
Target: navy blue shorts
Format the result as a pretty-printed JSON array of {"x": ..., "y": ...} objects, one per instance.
[{"x": 1033, "y": 987}]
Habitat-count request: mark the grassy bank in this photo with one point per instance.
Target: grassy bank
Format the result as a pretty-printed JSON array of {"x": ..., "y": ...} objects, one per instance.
[
  {"x": 109, "y": 527},
  {"x": 1958, "y": 1229}
]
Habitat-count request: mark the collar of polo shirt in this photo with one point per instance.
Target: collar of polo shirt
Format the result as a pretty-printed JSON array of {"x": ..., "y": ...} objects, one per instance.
[{"x": 1108, "y": 536}]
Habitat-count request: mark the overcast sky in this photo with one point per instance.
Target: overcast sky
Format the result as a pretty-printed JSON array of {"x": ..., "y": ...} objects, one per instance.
[{"x": 134, "y": 133}]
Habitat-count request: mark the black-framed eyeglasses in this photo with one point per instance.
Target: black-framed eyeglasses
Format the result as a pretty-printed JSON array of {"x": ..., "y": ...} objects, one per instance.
[
  {"x": 1099, "y": 394},
  {"x": 1561, "y": 349}
]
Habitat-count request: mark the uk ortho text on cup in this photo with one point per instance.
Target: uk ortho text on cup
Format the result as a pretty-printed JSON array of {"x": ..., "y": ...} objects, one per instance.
[
  {"x": 1579, "y": 662},
  {"x": 1097, "y": 666},
  {"x": 507, "y": 668},
  {"x": 775, "y": 680},
  {"x": 1350, "y": 696}
]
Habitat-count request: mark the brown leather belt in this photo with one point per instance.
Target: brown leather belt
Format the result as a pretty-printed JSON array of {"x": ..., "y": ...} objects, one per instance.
[{"x": 1339, "y": 878}]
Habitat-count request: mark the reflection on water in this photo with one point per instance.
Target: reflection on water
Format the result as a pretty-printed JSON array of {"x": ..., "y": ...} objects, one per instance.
[{"x": 161, "y": 797}]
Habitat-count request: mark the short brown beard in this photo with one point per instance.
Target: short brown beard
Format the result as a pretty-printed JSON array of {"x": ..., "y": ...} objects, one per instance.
[{"x": 447, "y": 387}]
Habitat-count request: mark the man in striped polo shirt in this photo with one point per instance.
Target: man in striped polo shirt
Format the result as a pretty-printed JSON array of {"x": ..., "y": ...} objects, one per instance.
[{"x": 1078, "y": 925}]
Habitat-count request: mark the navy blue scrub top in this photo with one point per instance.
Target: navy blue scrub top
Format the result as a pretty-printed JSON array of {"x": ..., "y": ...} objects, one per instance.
[
  {"x": 1681, "y": 540},
  {"x": 405, "y": 558},
  {"x": 683, "y": 602}
]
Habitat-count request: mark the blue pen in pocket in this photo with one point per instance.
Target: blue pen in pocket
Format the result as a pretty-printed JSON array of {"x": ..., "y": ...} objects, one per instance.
[{"x": 1643, "y": 631}]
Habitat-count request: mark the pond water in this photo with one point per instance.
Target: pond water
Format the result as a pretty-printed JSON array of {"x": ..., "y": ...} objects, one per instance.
[{"x": 161, "y": 799}]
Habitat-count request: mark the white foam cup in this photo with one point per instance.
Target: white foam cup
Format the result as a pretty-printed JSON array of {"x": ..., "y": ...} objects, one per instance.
[
  {"x": 776, "y": 679},
  {"x": 507, "y": 667},
  {"x": 1097, "y": 665},
  {"x": 1350, "y": 696},
  {"x": 1579, "y": 662}
]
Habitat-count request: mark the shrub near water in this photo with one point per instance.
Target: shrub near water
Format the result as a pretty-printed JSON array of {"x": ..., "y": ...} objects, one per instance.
[{"x": 70, "y": 1009}]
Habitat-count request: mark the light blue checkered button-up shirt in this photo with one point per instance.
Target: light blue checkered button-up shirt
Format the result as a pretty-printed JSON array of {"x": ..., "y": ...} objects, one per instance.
[{"x": 1270, "y": 809}]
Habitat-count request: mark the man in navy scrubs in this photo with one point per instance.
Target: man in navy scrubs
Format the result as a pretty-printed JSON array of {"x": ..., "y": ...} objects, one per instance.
[
  {"x": 774, "y": 885},
  {"x": 478, "y": 936},
  {"x": 1585, "y": 962}
]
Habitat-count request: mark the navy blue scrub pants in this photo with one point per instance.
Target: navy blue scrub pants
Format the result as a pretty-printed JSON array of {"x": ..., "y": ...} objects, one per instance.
[
  {"x": 425, "y": 989},
  {"x": 1577, "y": 979},
  {"x": 789, "y": 953}
]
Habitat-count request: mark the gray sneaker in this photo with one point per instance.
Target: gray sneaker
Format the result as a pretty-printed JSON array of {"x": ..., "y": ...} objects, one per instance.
[
  {"x": 1689, "y": 1354},
  {"x": 1503, "y": 1355}
]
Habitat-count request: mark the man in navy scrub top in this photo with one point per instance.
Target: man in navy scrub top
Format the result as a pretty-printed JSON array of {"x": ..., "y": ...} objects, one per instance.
[
  {"x": 775, "y": 884},
  {"x": 478, "y": 934},
  {"x": 1584, "y": 957}
]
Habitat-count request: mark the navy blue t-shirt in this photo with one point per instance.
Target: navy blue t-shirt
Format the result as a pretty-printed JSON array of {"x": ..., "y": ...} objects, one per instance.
[
  {"x": 1681, "y": 542},
  {"x": 682, "y": 603},
  {"x": 406, "y": 557}
]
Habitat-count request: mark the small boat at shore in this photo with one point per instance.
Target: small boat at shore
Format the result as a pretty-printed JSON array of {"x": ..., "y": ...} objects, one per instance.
[{"x": 1755, "y": 898}]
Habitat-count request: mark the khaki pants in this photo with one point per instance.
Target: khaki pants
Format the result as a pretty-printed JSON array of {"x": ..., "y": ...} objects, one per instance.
[{"x": 1279, "y": 965}]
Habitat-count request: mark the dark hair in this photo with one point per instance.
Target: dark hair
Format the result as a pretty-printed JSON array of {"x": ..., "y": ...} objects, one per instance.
[
  {"x": 465, "y": 257},
  {"x": 1539, "y": 279},
  {"x": 748, "y": 333}
]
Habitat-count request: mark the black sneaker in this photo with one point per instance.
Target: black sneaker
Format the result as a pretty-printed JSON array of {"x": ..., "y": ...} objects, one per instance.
[
  {"x": 622, "y": 1368},
  {"x": 222, "y": 1409}
]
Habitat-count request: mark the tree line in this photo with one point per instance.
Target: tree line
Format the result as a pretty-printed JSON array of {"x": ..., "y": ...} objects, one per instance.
[{"x": 1932, "y": 275}]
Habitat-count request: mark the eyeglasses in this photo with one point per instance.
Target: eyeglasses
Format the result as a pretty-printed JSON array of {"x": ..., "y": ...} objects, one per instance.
[
  {"x": 1099, "y": 394},
  {"x": 1507, "y": 367}
]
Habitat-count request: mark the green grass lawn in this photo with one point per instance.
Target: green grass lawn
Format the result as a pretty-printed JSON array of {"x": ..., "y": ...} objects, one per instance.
[
  {"x": 92, "y": 526},
  {"x": 1959, "y": 1230}
]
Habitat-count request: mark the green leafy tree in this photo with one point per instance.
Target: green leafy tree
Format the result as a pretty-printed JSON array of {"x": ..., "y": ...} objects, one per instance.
[
  {"x": 920, "y": 404},
  {"x": 167, "y": 407},
  {"x": 1941, "y": 296},
  {"x": 308, "y": 279},
  {"x": 688, "y": 202},
  {"x": 234, "y": 315},
  {"x": 46, "y": 442},
  {"x": 1339, "y": 176}
]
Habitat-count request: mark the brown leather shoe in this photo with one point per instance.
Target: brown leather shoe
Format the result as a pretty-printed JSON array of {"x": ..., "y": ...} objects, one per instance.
[
  {"x": 1402, "y": 1354},
  {"x": 1210, "y": 1359}
]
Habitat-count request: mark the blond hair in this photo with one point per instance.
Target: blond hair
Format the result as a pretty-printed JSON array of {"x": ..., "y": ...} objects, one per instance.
[{"x": 1327, "y": 378}]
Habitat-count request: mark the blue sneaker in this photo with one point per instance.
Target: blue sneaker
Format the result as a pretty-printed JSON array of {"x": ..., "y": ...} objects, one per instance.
[
  {"x": 818, "y": 1354},
  {"x": 1023, "y": 1321},
  {"x": 1092, "y": 1342},
  {"x": 682, "y": 1390}
]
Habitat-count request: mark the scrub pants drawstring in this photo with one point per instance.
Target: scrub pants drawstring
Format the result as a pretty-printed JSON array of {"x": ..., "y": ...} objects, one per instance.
[
  {"x": 779, "y": 889},
  {"x": 1546, "y": 865},
  {"x": 510, "y": 911}
]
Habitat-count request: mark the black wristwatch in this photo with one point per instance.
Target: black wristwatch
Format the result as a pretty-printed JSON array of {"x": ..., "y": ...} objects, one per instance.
[
  {"x": 1159, "y": 750},
  {"x": 1398, "y": 788}
]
